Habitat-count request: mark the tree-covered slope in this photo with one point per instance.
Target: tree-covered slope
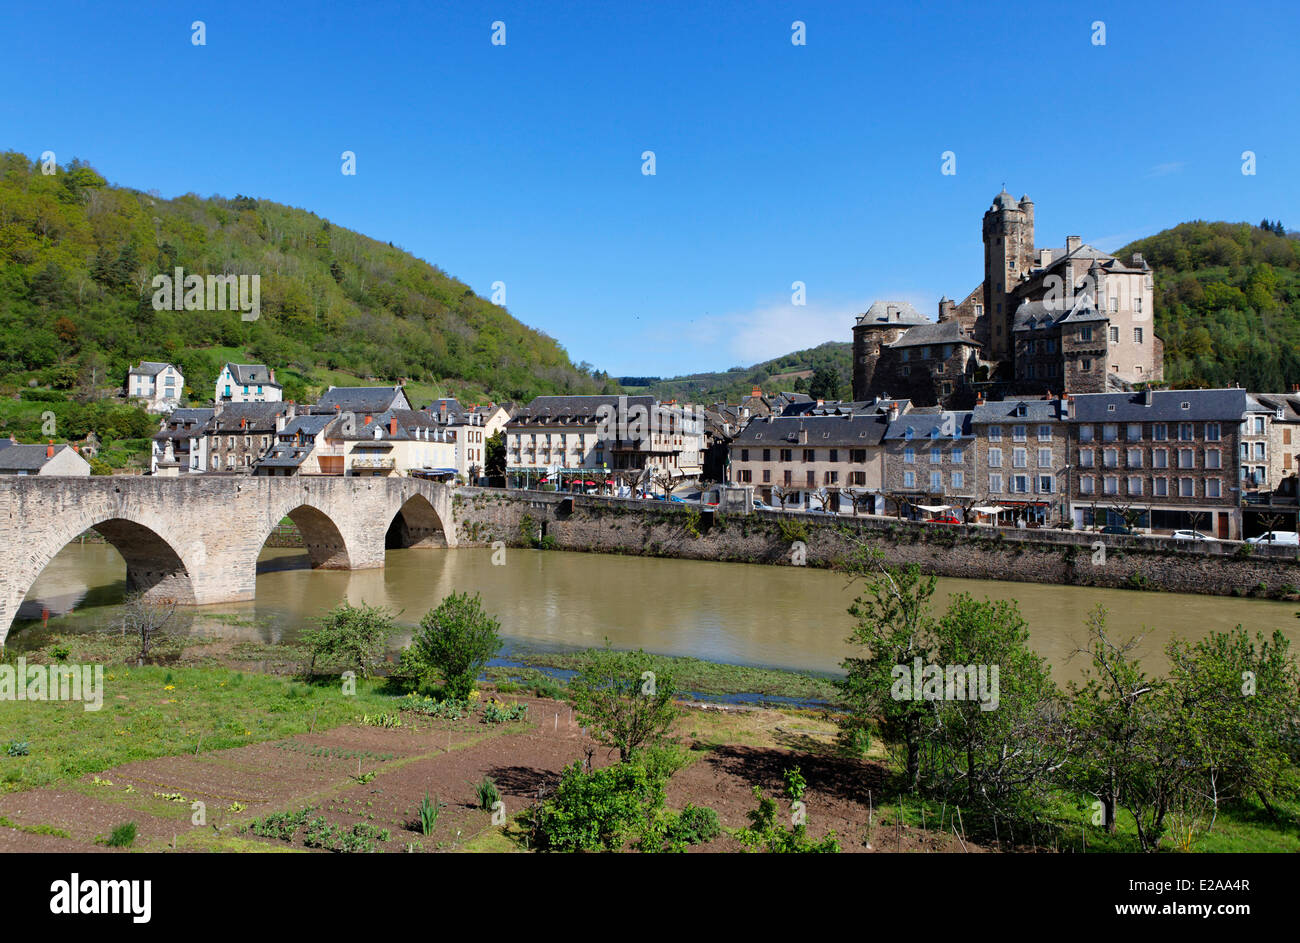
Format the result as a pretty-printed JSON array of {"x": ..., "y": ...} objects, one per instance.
[
  {"x": 771, "y": 375},
  {"x": 1227, "y": 299},
  {"x": 77, "y": 260}
]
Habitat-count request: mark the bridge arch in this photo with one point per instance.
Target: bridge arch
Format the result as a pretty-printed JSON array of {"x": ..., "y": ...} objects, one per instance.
[
  {"x": 321, "y": 536},
  {"x": 416, "y": 524},
  {"x": 154, "y": 564}
]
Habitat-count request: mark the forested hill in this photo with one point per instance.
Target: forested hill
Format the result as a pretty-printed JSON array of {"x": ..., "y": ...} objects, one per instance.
[
  {"x": 794, "y": 371},
  {"x": 77, "y": 259},
  {"x": 1227, "y": 303}
]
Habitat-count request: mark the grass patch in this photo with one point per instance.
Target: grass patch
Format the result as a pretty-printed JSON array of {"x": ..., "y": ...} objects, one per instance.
[{"x": 164, "y": 711}]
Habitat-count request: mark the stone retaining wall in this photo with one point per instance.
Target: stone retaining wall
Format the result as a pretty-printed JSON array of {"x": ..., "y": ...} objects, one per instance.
[{"x": 616, "y": 525}]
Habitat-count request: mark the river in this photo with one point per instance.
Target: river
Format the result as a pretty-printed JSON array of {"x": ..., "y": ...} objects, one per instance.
[{"x": 739, "y": 613}]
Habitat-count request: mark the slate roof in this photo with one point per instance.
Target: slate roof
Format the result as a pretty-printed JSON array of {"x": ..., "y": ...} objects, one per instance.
[
  {"x": 1036, "y": 315},
  {"x": 251, "y": 374},
  {"x": 929, "y": 422},
  {"x": 409, "y": 422},
  {"x": 285, "y": 456},
  {"x": 361, "y": 399},
  {"x": 260, "y": 417},
  {"x": 1229, "y": 405},
  {"x": 857, "y": 431},
  {"x": 1036, "y": 410},
  {"x": 581, "y": 408},
  {"x": 942, "y": 332},
  {"x": 15, "y": 457},
  {"x": 148, "y": 368},
  {"x": 892, "y": 312}
]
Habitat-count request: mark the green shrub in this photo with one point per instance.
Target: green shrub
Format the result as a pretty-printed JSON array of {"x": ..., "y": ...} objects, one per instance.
[
  {"x": 694, "y": 825},
  {"x": 353, "y": 636},
  {"x": 599, "y": 810},
  {"x": 456, "y": 640}
]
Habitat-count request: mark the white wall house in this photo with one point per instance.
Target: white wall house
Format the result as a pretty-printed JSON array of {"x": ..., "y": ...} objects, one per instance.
[
  {"x": 160, "y": 385},
  {"x": 247, "y": 383}
]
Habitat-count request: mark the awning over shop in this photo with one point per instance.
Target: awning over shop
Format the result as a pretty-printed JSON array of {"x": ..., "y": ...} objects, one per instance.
[
  {"x": 932, "y": 508},
  {"x": 995, "y": 509}
]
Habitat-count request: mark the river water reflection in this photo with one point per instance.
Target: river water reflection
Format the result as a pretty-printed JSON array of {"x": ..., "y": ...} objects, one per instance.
[{"x": 548, "y": 600}]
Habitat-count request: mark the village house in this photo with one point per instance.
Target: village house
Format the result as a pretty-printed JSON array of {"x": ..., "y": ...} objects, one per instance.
[
  {"x": 573, "y": 440},
  {"x": 1165, "y": 460},
  {"x": 1022, "y": 455},
  {"x": 47, "y": 459},
  {"x": 471, "y": 427},
  {"x": 247, "y": 383},
  {"x": 160, "y": 385},
  {"x": 179, "y": 446},
  {"x": 239, "y": 434},
  {"x": 826, "y": 457},
  {"x": 930, "y": 461}
]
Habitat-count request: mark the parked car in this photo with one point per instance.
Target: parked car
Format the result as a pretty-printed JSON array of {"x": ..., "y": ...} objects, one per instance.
[
  {"x": 761, "y": 505},
  {"x": 1284, "y": 538},
  {"x": 1191, "y": 535},
  {"x": 1118, "y": 529},
  {"x": 943, "y": 519}
]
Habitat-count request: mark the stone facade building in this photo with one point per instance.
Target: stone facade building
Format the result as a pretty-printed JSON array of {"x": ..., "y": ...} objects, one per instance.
[
  {"x": 827, "y": 458},
  {"x": 1163, "y": 460},
  {"x": 1023, "y": 457},
  {"x": 930, "y": 459},
  {"x": 1072, "y": 319}
]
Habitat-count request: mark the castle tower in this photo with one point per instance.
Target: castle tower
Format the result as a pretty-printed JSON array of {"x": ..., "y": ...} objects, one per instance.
[{"x": 1008, "y": 256}]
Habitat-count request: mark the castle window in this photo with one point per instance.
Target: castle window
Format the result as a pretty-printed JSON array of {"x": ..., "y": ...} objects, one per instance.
[
  {"x": 1114, "y": 335},
  {"x": 1137, "y": 335},
  {"x": 1085, "y": 334}
]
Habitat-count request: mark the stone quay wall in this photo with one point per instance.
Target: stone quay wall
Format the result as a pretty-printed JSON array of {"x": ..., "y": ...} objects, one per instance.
[{"x": 485, "y": 516}]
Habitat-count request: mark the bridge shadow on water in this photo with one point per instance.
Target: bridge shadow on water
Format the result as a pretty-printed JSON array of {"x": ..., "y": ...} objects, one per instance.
[{"x": 280, "y": 564}]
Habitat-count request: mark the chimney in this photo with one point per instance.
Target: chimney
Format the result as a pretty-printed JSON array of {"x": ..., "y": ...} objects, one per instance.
[
  {"x": 821, "y": 402},
  {"x": 49, "y": 450},
  {"x": 1072, "y": 243},
  {"x": 1137, "y": 260},
  {"x": 893, "y": 411},
  {"x": 1148, "y": 396},
  {"x": 368, "y": 418},
  {"x": 979, "y": 399},
  {"x": 243, "y": 422},
  {"x": 392, "y": 425},
  {"x": 272, "y": 376},
  {"x": 755, "y": 392},
  {"x": 1067, "y": 402}
]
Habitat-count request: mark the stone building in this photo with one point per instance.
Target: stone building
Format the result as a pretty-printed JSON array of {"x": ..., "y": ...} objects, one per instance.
[
  {"x": 1072, "y": 319},
  {"x": 897, "y": 352},
  {"x": 829, "y": 458},
  {"x": 1023, "y": 457},
  {"x": 239, "y": 434},
  {"x": 930, "y": 459},
  {"x": 568, "y": 441},
  {"x": 1164, "y": 460}
]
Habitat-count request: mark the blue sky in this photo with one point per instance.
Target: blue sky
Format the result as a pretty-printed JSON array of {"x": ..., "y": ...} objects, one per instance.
[{"x": 775, "y": 163}]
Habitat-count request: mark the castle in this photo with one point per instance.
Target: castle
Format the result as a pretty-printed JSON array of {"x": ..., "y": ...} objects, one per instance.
[{"x": 1073, "y": 319}]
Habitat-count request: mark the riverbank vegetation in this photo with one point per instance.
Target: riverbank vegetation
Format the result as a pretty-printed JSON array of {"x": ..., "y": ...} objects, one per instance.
[{"x": 973, "y": 721}]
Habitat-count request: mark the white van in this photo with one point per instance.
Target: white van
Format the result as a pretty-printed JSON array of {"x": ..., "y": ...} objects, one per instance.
[{"x": 1282, "y": 538}]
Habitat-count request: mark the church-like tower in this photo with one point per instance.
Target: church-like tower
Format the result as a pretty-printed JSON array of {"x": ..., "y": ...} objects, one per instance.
[{"x": 1008, "y": 256}]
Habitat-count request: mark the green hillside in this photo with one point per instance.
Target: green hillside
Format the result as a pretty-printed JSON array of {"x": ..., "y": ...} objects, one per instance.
[
  {"x": 772, "y": 376},
  {"x": 1227, "y": 303},
  {"x": 77, "y": 259}
]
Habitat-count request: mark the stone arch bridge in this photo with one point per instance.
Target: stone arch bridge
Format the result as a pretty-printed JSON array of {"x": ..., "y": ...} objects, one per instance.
[{"x": 197, "y": 539}]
